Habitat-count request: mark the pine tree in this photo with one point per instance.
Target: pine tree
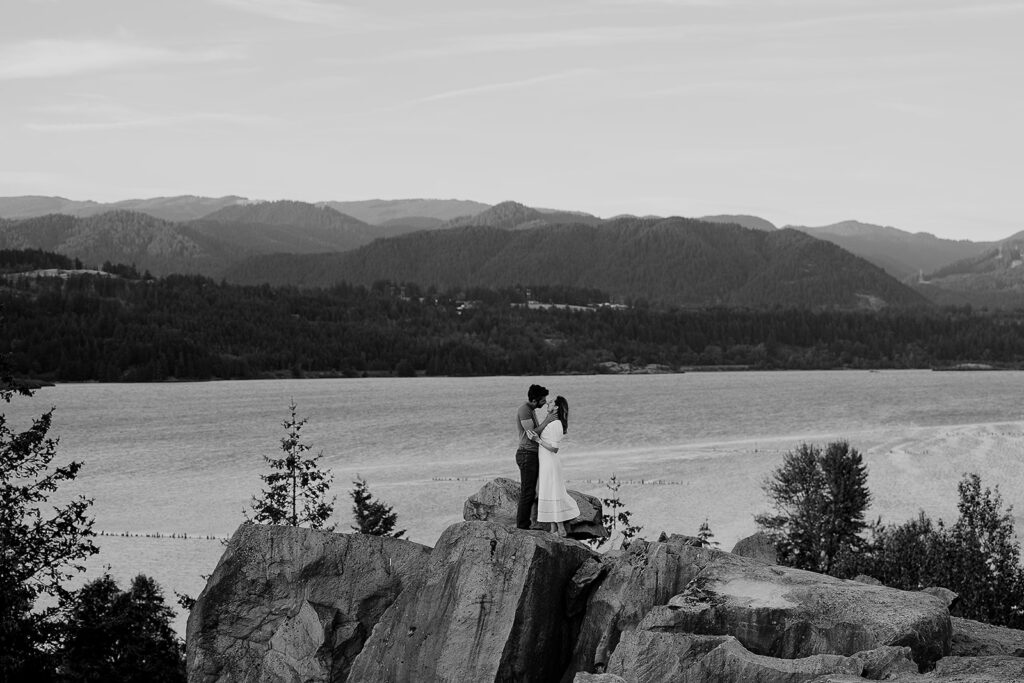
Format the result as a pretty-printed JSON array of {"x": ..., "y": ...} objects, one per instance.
[
  {"x": 616, "y": 517},
  {"x": 296, "y": 493},
  {"x": 706, "y": 536},
  {"x": 372, "y": 516}
]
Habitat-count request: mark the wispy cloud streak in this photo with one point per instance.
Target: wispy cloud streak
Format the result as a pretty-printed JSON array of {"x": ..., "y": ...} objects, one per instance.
[
  {"x": 58, "y": 58},
  {"x": 497, "y": 87},
  {"x": 334, "y": 14},
  {"x": 142, "y": 121}
]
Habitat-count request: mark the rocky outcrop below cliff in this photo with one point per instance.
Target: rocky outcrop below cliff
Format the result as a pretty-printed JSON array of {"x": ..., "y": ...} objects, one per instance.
[{"x": 493, "y": 603}]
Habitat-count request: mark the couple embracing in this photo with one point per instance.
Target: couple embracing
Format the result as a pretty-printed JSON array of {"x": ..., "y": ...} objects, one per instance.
[{"x": 541, "y": 426}]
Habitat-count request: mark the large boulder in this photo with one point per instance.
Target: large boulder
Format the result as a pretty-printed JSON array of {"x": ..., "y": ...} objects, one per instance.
[
  {"x": 790, "y": 613},
  {"x": 286, "y": 603},
  {"x": 758, "y": 546},
  {"x": 995, "y": 669},
  {"x": 498, "y": 500},
  {"x": 491, "y": 606},
  {"x": 975, "y": 639},
  {"x": 647, "y": 657},
  {"x": 626, "y": 585}
]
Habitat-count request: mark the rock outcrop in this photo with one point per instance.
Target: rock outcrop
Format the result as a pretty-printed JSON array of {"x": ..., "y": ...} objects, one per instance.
[
  {"x": 492, "y": 606},
  {"x": 975, "y": 639},
  {"x": 649, "y": 656},
  {"x": 286, "y": 603},
  {"x": 498, "y": 500},
  {"x": 494, "y": 603},
  {"x": 790, "y": 613},
  {"x": 629, "y": 584},
  {"x": 773, "y": 611},
  {"x": 759, "y": 547},
  {"x": 996, "y": 669}
]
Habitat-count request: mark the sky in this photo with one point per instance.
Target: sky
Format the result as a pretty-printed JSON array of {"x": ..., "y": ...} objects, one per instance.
[{"x": 907, "y": 113}]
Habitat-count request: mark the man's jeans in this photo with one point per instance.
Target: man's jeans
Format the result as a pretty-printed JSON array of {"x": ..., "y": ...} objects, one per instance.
[{"x": 529, "y": 468}]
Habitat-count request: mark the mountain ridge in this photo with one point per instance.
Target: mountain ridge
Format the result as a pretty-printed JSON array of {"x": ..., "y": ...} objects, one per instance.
[{"x": 681, "y": 262}]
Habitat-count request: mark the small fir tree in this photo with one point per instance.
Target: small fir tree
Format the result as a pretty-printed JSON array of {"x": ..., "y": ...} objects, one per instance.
[
  {"x": 372, "y": 516},
  {"x": 616, "y": 517},
  {"x": 706, "y": 536},
  {"x": 296, "y": 492}
]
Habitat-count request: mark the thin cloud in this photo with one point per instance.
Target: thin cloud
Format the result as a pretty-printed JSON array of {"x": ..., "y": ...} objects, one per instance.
[
  {"x": 57, "y": 58},
  {"x": 147, "y": 122},
  {"x": 303, "y": 12},
  {"x": 496, "y": 87}
]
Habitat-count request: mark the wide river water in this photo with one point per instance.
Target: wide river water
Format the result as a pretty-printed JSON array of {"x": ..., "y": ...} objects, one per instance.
[{"x": 180, "y": 458}]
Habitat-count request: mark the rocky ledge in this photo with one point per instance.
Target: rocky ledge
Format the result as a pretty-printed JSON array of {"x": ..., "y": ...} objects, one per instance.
[{"x": 493, "y": 603}]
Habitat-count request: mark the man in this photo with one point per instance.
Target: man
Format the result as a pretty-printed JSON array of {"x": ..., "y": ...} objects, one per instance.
[{"x": 526, "y": 455}]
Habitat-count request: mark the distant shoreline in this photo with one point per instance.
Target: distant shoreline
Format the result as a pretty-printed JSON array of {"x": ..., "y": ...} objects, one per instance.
[{"x": 35, "y": 384}]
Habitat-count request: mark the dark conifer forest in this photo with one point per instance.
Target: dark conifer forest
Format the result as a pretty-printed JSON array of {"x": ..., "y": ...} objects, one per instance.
[{"x": 129, "y": 328}]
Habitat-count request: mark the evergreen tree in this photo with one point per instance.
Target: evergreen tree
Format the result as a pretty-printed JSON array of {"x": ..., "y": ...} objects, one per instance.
[
  {"x": 372, "y": 516},
  {"x": 39, "y": 549},
  {"x": 820, "y": 498},
  {"x": 121, "y": 636},
  {"x": 296, "y": 492},
  {"x": 978, "y": 557},
  {"x": 616, "y": 517},
  {"x": 705, "y": 535}
]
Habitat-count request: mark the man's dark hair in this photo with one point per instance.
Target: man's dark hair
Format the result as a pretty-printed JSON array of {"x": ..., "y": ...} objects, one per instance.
[{"x": 536, "y": 391}]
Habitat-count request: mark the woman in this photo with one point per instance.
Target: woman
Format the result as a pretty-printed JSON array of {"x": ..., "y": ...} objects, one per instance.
[{"x": 554, "y": 504}]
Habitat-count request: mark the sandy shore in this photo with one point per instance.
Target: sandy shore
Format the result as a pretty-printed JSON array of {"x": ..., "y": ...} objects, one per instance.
[{"x": 909, "y": 469}]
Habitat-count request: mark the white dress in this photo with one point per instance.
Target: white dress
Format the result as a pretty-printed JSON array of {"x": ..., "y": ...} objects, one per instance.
[{"x": 554, "y": 504}]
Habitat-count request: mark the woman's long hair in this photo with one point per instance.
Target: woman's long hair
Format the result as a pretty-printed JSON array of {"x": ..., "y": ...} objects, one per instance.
[{"x": 563, "y": 413}]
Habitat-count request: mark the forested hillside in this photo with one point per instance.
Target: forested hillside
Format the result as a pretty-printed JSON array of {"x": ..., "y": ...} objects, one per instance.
[
  {"x": 189, "y": 327},
  {"x": 673, "y": 262},
  {"x": 287, "y": 227},
  {"x": 900, "y": 253},
  {"x": 123, "y": 237}
]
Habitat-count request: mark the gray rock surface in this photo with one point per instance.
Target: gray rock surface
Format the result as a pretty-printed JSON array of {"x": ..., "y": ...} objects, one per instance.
[
  {"x": 757, "y": 547},
  {"x": 583, "y": 677},
  {"x": 287, "y": 603},
  {"x": 655, "y": 657},
  {"x": 789, "y": 613},
  {"x": 492, "y": 606},
  {"x": 886, "y": 662},
  {"x": 947, "y": 596},
  {"x": 996, "y": 669},
  {"x": 498, "y": 500},
  {"x": 632, "y": 582},
  {"x": 975, "y": 639}
]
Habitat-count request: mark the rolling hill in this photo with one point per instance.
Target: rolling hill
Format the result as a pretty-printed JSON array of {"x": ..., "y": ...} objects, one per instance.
[
  {"x": 398, "y": 211},
  {"x": 994, "y": 278},
  {"x": 286, "y": 226},
  {"x": 673, "y": 261},
  {"x": 125, "y": 237},
  {"x": 175, "y": 209},
  {"x": 901, "y": 254}
]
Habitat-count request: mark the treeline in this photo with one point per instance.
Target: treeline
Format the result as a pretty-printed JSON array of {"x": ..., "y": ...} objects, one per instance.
[
  {"x": 190, "y": 327},
  {"x": 21, "y": 260}
]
